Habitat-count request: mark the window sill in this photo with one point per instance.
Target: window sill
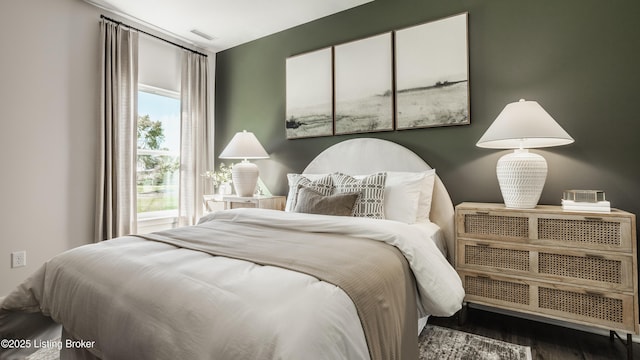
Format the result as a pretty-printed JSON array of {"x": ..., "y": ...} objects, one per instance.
[{"x": 157, "y": 221}]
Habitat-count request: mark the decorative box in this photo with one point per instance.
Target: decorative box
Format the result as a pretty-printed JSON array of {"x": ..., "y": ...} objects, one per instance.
[{"x": 590, "y": 196}]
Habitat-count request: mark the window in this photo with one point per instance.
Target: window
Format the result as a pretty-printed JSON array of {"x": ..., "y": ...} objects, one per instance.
[{"x": 158, "y": 161}]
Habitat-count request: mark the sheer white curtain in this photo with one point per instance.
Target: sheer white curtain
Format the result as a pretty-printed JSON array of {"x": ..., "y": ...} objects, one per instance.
[
  {"x": 116, "y": 193},
  {"x": 195, "y": 135}
]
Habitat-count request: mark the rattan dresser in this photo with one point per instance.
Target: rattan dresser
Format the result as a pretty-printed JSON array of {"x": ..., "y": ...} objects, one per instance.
[{"x": 572, "y": 266}]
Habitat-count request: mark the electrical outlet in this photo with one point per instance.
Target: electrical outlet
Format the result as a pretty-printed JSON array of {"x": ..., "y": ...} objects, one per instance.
[{"x": 18, "y": 259}]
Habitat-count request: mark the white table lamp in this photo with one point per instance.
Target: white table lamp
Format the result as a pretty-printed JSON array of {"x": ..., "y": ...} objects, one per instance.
[
  {"x": 523, "y": 125},
  {"x": 244, "y": 175}
]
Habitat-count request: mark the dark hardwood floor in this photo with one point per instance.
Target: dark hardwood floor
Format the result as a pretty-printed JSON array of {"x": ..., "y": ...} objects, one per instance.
[{"x": 547, "y": 342}]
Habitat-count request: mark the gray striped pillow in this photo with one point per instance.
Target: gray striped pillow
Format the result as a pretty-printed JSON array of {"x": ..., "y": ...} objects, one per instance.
[
  {"x": 370, "y": 203},
  {"x": 323, "y": 185}
]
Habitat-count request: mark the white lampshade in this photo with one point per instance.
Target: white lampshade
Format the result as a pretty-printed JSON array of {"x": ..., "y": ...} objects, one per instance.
[
  {"x": 522, "y": 125},
  {"x": 244, "y": 145}
]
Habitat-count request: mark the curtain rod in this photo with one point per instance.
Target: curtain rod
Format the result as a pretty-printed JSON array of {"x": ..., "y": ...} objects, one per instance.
[{"x": 155, "y": 36}]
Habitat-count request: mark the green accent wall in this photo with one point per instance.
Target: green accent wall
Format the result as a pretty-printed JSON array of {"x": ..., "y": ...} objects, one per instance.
[{"x": 579, "y": 59}]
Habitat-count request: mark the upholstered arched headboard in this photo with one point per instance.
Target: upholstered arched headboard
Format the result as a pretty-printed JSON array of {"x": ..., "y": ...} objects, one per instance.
[{"x": 369, "y": 155}]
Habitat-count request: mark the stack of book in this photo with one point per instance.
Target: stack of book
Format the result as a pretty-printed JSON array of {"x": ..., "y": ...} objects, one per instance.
[{"x": 585, "y": 200}]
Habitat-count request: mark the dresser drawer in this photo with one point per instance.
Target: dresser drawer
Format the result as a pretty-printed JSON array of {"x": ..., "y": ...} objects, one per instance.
[
  {"x": 242, "y": 204},
  {"x": 493, "y": 225},
  {"x": 558, "y": 228},
  {"x": 261, "y": 202},
  {"x": 607, "y": 271},
  {"x": 576, "y": 304},
  {"x": 586, "y": 232},
  {"x": 610, "y": 310},
  {"x": 496, "y": 290},
  {"x": 489, "y": 256}
]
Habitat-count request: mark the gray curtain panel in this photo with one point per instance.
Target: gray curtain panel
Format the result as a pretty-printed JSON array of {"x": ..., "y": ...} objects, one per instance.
[
  {"x": 116, "y": 178},
  {"x": 196, "y": 136}
]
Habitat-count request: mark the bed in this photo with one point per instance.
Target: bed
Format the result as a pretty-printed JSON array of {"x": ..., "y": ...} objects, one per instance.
[{"x": 293, "y": 285}]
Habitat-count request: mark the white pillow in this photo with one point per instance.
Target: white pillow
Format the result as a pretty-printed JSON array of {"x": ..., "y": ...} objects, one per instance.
[
  {"x": 407, "y": 195},
  {"x": 426, "y": 196},
  {"x": 322, "y": 183}
]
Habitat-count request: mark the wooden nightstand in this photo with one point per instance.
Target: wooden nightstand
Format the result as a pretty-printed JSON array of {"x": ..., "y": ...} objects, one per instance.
[
  {"x": 578, "y": 267},
  {"x": 213, "y": 203},
  {"x": 262, "y": 202}
]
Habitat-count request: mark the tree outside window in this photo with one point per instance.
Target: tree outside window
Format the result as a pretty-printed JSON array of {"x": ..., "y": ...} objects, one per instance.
[{"x": 158, "y": 161}]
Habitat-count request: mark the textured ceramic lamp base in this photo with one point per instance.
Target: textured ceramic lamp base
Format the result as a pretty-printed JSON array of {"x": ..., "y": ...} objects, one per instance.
[
  {"x": 245, "y": 178},
  {"x": 521, "y": 176}
]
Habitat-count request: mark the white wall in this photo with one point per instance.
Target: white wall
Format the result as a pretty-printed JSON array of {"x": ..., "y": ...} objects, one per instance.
[{"x": 49, "y": 113}]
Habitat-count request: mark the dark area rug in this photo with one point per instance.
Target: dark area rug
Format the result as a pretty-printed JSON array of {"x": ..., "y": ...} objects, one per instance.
[{"x": 440, "y": 343}]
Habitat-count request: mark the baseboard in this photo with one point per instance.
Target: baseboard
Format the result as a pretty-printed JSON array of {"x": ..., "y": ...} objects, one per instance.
[{"x": 593, "y": 330}]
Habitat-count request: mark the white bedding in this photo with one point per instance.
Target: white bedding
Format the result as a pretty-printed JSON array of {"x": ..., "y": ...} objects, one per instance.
[
  {"x": 439, "y": 285},
  {"x": 141, "y": 299}
]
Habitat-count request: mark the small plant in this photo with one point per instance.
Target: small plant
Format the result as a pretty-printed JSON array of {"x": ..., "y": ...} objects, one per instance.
[{"x": 222, "y": 176}]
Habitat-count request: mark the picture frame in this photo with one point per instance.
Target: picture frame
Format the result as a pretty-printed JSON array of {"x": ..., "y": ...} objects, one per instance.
[
  {"x": 363, "y": 71},
  {"x": 309, "y": 94},
  {"x": 432, "y": 74}
]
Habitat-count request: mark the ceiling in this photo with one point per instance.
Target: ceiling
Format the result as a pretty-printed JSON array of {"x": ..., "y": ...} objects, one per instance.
[{"x": 228, "y": 22}]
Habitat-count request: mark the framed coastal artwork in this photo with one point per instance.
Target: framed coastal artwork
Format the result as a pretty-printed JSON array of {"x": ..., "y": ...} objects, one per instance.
[
  {"x": 432, "y": 74},
  {"x": 363, "y": 71},
  {"x": 309, "y": 97}
]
